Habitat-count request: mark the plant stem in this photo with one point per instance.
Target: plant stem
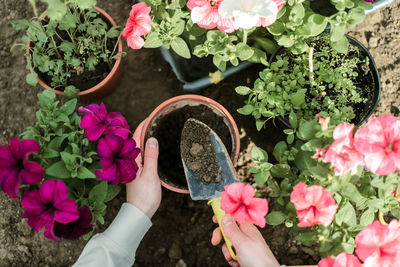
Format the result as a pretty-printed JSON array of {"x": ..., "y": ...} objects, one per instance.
[
  {"x": 55, "y": 47},
  {"x": 33, "y": 4},
  {"x": 310, "y": 63},
  {"x": 115, "y": 47},
  {"x": 245, "y": 36}
]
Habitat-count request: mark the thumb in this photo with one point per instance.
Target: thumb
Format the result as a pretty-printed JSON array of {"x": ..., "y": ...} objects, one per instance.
[
  {"x": 232, "y": 231},
  {"x": 150, "y": 156}
]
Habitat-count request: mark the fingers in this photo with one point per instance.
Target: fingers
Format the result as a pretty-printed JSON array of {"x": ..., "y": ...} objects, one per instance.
[
  {"x": 216, "y": 236},
  {"x": 226, "y": 253},
  {"x": 214, "y": 219},
  {"x": 151, "y": 156},
  {"x": 136, "y": 137},
  {"x": 250, "y": 230},
  {"x": 232, "y": 231}
]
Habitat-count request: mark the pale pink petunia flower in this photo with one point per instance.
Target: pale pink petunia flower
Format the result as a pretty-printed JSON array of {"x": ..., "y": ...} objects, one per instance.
[
  {"x": 379, "y": 245},
  {"x": 379, "y": 143},
  {"x": 314, "y": 205},
  {"x": 138, "y": 24},
  {"x": 319, "y": 154},
  {"x": 205, "y": 14},
  {"x": 341, "y": 260},
  {"x": 238, "y": 200},
  {"x": 341, "y": 153},
  {"x": 324, "y": 121}
]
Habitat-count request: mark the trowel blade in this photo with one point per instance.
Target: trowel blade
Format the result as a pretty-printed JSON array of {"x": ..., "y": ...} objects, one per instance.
[{"x": 199, "y": 190}]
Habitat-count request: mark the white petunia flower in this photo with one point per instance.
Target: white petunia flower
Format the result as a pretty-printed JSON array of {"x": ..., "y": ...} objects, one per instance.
[{"x": 249, "y": 13}]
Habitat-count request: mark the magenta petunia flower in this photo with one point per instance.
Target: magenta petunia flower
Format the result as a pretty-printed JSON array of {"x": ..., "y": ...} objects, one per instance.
[
  {"x": 16, "y": 169},
  {"x": 238, "y": 200},
  {"x": 96, "y": 122},
  {"x": 379, "y": 143},
  {"x": 117, "y": 156},
  {"x": 48, "y": 205},
  {"x": 314, "y": 205},
  {"x": 74, "y": 230}
]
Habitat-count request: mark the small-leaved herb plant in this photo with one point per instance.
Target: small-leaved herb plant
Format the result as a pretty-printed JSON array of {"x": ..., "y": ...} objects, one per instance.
[
  {"x": 68, "y": 155},
  {"x": 362, "y": 197},
  {"x": 67, "y": 42},
  {"x": 296, "y": 23},
  {"x": 336, "y": 88}
]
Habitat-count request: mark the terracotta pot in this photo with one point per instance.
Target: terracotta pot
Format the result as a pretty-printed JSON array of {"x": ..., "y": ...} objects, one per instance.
[
  {"x": 109, "y": 83},
  {"x": 183, "y": 100}
]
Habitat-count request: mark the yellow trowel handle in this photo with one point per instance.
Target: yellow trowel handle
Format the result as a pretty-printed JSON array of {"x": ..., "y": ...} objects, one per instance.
[{"x": 219, "y": 214}]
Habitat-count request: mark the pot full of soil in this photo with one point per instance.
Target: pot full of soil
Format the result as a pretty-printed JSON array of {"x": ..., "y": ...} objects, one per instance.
[
  {"x": 364, "y": 75},
  {"x": 166, "y": 123},
  {"x": 95, "y": 83}
]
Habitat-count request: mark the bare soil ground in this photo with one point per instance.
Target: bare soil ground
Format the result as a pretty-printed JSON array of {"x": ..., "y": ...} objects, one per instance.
[{"x": 181, "y": 228}]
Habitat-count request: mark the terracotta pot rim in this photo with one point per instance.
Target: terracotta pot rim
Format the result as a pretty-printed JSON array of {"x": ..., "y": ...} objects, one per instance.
[
  {"x": 195, "y": 98},
  {"x": 109, "y": 75}
]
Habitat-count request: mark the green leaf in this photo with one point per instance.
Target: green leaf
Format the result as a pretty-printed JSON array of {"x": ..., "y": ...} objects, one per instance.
[
  {"x": 114, "y": 32},
  {"x": 153, "y": 40},
  {"x": 180, "y": 47},
  {"x": 317, "y": 24},
  {"x": 91, "y": 63},
  {"x": 259, "y": 154},
  {"x": 280, "y": 171},
  {"x": 244, "y": 51},
  {"x": 67, "y": 47},
  {"x": 242, "y": 90},
  {"x": 84, "y": 173},
  {"x": 298, "y": 98},
  {"x": 293, "y": 119},
  {"x": 279, "y": 151},
  {"x": 259, "y": 124},
  {"x": 307, "y": 130},
  {"x": 46, "y": 98},
  {"x": 367, "y": 217},
  {"x": 58, "y": 170},
  {"x": 260, "y": 178},
  {"x": 56, "y": 9},
  {"x": 246, "y": 110},
  {"x": 71, "y": 92},
  {"x": 99, "y": 192},
  {"x": 69, "y": 107},
  {"x": 20, "y": 25},
  {"x": 275, "y": 218},
  {"x": 307, "y": 238},
  {"x": 112, "y": 192},
  {"x": 356, "y": 16},
  {"x": 304, "y": 161},
  {"x": 32, "y": 78},
  {"x": 86, "y": 4},
  {"x": 346, "y": 215}
]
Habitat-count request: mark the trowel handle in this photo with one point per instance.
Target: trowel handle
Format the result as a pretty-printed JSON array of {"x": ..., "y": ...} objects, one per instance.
[{"x": 219, "y": 214}]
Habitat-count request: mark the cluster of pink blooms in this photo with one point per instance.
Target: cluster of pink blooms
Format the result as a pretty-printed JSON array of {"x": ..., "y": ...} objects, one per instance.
[
  {"x": 116, "y": 150},
  {"x": 238, "y": 200},
  {"x": 376, "y": 245},
  {"x": 138, "y": 24},
  {"x": 376, "y": 145}
]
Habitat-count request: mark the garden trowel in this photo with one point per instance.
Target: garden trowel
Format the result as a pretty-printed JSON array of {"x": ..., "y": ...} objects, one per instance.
[{"x": 212, "y": 191}]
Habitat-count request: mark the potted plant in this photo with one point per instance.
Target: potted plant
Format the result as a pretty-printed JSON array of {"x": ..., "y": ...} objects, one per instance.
[
  {"x": 344, "y": 87},
  {"x": 321, "y": 190},
  {"x": 66, "y": 168},
  {"x": 224, "y": 34},
  {"x": 166, "y": 123},
  {"x": 74, "y": 45}
]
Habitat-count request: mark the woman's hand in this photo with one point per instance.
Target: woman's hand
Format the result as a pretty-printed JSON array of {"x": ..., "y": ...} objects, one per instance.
[
  {"x": 145, "y": 191},
  {"x": 249, "y": 245}
]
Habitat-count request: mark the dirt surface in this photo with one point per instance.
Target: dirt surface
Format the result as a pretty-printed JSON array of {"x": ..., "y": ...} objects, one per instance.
[
  {"x": 168, "y": 129},
  {"x": 181, "y": 231},
  {"x": 197, "y": 152}
]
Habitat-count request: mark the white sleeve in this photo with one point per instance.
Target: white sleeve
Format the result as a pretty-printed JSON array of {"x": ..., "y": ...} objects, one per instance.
[{"x": 117, "y": 245}]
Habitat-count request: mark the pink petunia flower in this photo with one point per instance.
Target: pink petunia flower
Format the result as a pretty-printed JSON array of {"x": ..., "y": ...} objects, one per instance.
[
  {"x": 324, "y": 121},
  {"x": 48, "y": 205},
  {"x": 379, "y": 245},
  {"x": 205, "y": 14},
  {"x": 379, "y": 143},
  {"x": 319, "y": 154},
  {"x": 341, "y": 153},
  {"x": 138, "y": 24},
  {"x": 238, "y": 200},
  {"x": 314, "y": 205},
  {"x": 341, "y": 260},
  {"x": 15, "y": 167},
  {"x": 96, "y": 122},
  {"x": 117, "y": 156},
  {"x": 74, "y": 230}
]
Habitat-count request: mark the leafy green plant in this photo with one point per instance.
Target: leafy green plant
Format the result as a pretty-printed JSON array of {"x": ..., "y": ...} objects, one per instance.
[
  {"x": 67, "y": 41},
  {"x": 68, "y": 155},
  {"x": 287, "y": 88},
  {"x": 296, "y": 23},
  {"x": 362, "y": 196}
]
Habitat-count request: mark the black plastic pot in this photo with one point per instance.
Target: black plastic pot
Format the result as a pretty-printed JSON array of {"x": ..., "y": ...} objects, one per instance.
[{"x": 373, "y": 95}]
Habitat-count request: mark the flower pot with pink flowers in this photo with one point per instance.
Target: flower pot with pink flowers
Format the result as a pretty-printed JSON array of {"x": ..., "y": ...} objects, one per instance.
[
  {"x": 227, "y": 32},
  {"x": 72, "y": 46},
  {"x": 68, "y": 166},
  {"x": 337, "y": 188}
]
